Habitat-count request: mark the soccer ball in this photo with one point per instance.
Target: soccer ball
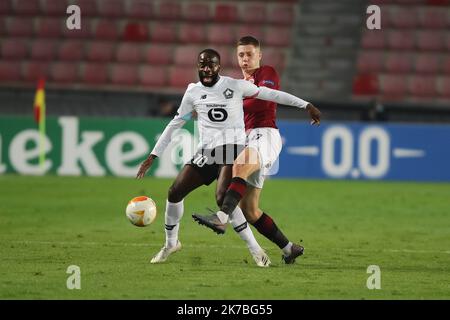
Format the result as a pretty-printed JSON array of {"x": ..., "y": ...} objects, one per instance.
[{"x": 141, "y": 211}]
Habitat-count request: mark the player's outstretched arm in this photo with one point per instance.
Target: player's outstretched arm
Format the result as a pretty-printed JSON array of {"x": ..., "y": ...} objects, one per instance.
[{"x": 288, "y": 99}]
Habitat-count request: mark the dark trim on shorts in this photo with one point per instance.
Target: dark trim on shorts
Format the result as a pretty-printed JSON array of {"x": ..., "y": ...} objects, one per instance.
[{"x": 209, "y": 162}]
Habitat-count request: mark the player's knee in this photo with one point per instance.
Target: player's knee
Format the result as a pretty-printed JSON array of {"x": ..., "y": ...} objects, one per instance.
[
  {"x": 174, "y": 195},
  {"x": 251, "y": 214}
]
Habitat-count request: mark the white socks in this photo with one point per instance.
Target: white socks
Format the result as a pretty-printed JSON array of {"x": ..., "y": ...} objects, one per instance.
[
  {"x": 174, "y": 212},
  {"x": 287, "y": 250},
  {"x": 240, "y": 225},
  {"x": 223, "y": 217}
]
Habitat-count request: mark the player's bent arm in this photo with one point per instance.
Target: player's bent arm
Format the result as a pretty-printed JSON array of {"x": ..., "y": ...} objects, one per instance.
[{"x": 166, "y": 136}]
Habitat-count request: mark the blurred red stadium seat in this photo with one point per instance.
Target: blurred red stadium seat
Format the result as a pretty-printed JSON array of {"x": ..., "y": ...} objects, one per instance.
[
  {"x": 444, "y": 89},
  {"x": 136, "y": 32},
  {"x": 54, "y": 7},
  {"x": 43, "y": 50},
  {"x": 370, "y": 61},
  {"x": 71, "y": 50},
  {"x": 164, "y": 32},
  {"x": 50, "y": 27},
  {"x": 226, "y": 13},
  {"x": 140, "y": 9},
  {"x": 430, "y": 40},
  {"x": 420, "y": 86},
  {"x": 180, "y": 77},
  {"x": 110, "y": 8},
  {"x": 159, "y": 54},
  {"x": 250, "y": 30},
  {"x": 153, "y": 76},
  {"x": 64, "y": 72},
  {"x": 373, "y": 40},
  {"x": 34, "y": 70},
  {"x": 10, "y": 71},
  {"x": 27, "y": 7},
  {"x": 365, "y": 84},
  {"x": 186, "y": 56},
  {"x": 403, "y": 17},
  {"x": 14, "y": 49},
  {"x": 221, "y": 34},
  {"x": 106, "y": 30},
  {"x": 253, "y": 13},
  {"x": 5, "y": 8},
  {"x": 192, "y": 33},
  {"x": 100, "y": 51},
  {"x": 393, "y": 86},
  {"x": 409, "y": 2},
  {"x": 169, "y": 10},
  {"x": 124, "y": 74},
  {"x": 95, "y": 73},
  {"x": 20, "y": 27},
  {"x": 434, "y": 18},
  {"x": 438, "y": 2},
  {"x": 275, "y": 58},
  {"x": 281, "y": 14},
  {"x": 128, "y": 53},
  {"x": 278, "y": 36},
  {"x": 398, "y": 62},
  {"x": 89, "y": 7},
  {"x": 197, "y": 11},
  {"x": 3, "y": 31},
  {"x": 446, "y": 65},
  {"x": 427, "y": 63},
  {"x": 401, "y": 40}
]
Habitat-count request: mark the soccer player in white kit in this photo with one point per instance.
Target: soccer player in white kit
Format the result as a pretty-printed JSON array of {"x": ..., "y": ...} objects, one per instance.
[
  {"x": 217, "y": 100},
  {"x": 263, "y": 148}
]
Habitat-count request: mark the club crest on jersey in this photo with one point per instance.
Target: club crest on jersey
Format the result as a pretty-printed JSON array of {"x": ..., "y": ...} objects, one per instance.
[
  {"x": 203, "y": 97},
  {"x": 228, "y": 93}
]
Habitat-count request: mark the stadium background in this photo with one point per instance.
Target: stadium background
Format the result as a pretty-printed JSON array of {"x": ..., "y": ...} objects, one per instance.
[{"x": 113, "y": 85}]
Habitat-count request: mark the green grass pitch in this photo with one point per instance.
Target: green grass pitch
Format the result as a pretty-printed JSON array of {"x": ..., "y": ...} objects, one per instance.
[{"x": 49, "y": 223}]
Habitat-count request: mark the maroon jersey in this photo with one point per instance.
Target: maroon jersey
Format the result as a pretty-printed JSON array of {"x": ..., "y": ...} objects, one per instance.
[{"x": 260, "y": 113}]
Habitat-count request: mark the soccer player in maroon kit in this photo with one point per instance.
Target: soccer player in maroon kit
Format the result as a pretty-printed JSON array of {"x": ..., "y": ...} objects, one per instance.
[{"x": 262, "y": 150}]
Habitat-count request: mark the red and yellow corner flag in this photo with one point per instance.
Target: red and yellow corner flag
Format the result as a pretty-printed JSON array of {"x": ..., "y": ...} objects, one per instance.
[{"x": 39, "y": 116}]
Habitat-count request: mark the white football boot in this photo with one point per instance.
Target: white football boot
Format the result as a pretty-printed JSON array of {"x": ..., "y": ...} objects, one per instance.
[
  {"x": 165, "y": 252},
  {"x": 261, "y": 258}
]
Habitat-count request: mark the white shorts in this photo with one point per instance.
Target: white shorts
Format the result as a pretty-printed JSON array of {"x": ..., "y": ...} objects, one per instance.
[{"x": 267, "y": 141}]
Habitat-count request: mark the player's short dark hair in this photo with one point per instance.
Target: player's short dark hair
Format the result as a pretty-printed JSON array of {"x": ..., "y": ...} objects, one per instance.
[
  {"x": 211, "y": 52},
  {"x": 247, "y": 40}
]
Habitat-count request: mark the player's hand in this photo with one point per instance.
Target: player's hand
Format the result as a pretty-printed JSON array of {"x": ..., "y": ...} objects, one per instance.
[
  {"x": 145, "y": 165},
  {"x": 314, "y": 113}
]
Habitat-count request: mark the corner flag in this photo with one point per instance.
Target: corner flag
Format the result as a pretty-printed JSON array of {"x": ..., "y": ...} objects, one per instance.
[{"x": 39, "y": 117}]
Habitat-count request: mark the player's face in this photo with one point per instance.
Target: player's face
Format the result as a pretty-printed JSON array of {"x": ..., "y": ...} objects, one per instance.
[
  {"x": 208, "y": 69},
  {"x": 249, "y": 57}
]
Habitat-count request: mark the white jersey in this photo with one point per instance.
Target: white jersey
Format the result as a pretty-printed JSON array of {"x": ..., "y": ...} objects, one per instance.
[{"x": 220, "y": 111}]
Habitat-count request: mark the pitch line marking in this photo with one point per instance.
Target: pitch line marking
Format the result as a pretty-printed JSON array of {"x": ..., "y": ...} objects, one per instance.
[{"x": 131, "y": 244}]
